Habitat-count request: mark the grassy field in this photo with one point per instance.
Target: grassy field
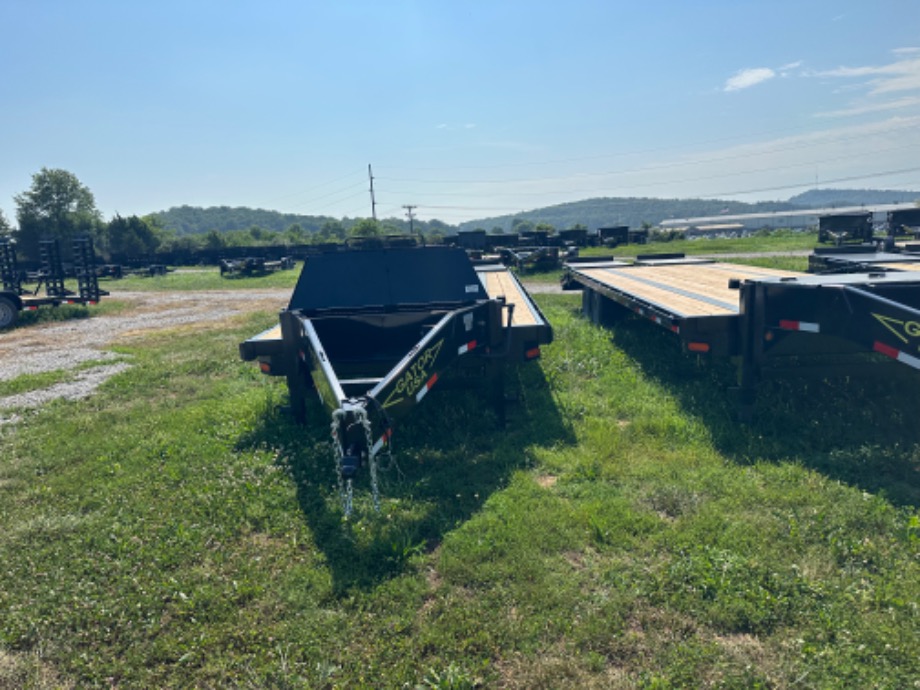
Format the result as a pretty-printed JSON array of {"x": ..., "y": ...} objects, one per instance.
[
  {"x": 776, "y": 241},
  {"x": 201, "y": 278},
  {"x": 176, "y": 530}
]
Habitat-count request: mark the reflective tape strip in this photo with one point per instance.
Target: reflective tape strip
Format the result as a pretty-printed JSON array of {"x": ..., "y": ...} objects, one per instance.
[
  {"x": 799, "y": 326},
  {"x": 427, "y": 387},
  {"x": 894, "y": 353},
  {"x": 380, "y": 441},
  {"x": 463, "y": 349}
]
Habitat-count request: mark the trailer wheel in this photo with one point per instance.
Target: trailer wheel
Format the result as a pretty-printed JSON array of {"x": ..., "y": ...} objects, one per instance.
[{"x": 8, "y": 313}]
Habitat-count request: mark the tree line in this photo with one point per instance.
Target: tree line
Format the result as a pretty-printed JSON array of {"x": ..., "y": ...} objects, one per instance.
[{"x": 59, "y": 206}]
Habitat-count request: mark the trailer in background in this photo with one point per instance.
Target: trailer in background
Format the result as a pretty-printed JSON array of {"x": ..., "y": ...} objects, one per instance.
[
  {"x": 845, "y": 228},
  {"x": 770, "y": 322},
  {"x": 254, "y": 266},
  {"x": 16, "y": 297}
]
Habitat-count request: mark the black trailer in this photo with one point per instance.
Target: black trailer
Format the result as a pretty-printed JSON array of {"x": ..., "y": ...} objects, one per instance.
[
  {"x": 250, "y": 266},
  {"x": 841, "y": 228},
  {"x": 16, "y": 297},
  {"x": 904, "y": 222},
  {"x": 860, "y": 259},
  {"x": 371, "y": 331},
  {"x": 767, "y": 320}
]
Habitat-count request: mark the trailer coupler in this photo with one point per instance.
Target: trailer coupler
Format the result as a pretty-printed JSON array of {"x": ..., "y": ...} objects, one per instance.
[{"x": 353, "y": 445}]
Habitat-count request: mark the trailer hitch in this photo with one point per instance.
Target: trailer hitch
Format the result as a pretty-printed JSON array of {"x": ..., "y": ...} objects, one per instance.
[{"x": 352, "y": 442}]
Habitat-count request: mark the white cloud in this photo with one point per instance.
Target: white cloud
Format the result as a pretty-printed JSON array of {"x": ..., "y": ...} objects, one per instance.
[
  {"x": 872, "y": 107},
  {"x": 747, "y": 78},
  {"x": 905, "y": 51},
  {"x": 897, "y": 77}
]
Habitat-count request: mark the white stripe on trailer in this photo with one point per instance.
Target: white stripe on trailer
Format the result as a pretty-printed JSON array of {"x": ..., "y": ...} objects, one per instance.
[
  {"x": 427, "y": 387},
  {"x": 808, "y": 327},
  {"x": 899, "y": 355},
  {"x": 380, "y": 441},
  {"x": 463, "y": 349}
]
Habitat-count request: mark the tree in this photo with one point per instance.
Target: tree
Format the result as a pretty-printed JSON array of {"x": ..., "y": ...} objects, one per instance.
[
  {"x": 366, "y": 227},
  {"x": 520, "y": 226},
  {"x": 214, "y": 240},
  {"x": 131, "y": 238},
  {"x": 332, "y": 230},
  {"x": 5, "y": 228},
  {"x": 56, "y": 206},
  {"x": 295, "y": 234}
]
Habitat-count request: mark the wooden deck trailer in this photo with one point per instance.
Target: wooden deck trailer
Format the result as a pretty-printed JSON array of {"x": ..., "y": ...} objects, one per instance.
[
  {"x": 765, "y": 319},
  {"x": 372, "y": 331}
]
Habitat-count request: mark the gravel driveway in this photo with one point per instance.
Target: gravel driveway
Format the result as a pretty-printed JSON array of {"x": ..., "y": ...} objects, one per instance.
[
  {"x": 69, "y": 344},
  {"x": 86, "y": 343}
]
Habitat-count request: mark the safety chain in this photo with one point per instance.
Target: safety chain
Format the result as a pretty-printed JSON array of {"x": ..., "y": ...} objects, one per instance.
[
  {"x": 371, "y": 456},
  {"x": 346, "y": 488},
  {"x": 346, "y": 493}
]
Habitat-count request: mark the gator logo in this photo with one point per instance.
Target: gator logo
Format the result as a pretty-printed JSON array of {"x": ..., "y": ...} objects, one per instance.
[
  {"x": 904, "y": 331},
  {"x": 416, "y": 376}
]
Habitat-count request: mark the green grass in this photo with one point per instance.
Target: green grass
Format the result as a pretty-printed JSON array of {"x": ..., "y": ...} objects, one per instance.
[
  {"x": 202, "y": 278},
  {"x": 775, "y": 241},
  {"x": 176, "y": 530}
]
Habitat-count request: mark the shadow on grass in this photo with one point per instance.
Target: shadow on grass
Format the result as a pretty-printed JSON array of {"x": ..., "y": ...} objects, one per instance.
[
  {"x": 50, "y": 314},
  {"x": 450, "y": 456},
  {"x": 860, "y": 431}
]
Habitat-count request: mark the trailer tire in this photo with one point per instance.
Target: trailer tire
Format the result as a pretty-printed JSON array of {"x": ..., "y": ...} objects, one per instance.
[{"x": 8, "y": 313}]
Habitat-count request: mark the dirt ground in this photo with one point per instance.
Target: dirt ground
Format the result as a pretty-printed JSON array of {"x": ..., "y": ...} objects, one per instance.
[{"x": 67, "y": 345}]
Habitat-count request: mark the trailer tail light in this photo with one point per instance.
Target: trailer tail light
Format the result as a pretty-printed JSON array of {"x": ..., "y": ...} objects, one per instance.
[
  {"x": 698, "y": 347},
  {"x": 30, "y": 308},
  {"x": 532, "y": 353},
  {"x": 265, "y": 367}
]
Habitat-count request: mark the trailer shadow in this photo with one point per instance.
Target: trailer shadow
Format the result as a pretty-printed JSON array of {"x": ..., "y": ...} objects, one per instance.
[
  {"x": 860, "y": 431},
  {"x": 447, "y": 460}
]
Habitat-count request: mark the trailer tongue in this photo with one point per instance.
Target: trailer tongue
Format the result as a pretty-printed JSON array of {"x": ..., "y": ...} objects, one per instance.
[{"x": 372, "y": 331}]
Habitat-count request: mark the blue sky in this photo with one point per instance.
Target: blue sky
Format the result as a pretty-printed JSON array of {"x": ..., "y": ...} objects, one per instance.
[{"x": 464, "y": 109}]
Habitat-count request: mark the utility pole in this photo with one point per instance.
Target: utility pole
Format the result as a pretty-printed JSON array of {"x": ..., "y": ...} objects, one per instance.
[
  {"x": 370, "y": 175},
  {"x": 409, "y": 208}
]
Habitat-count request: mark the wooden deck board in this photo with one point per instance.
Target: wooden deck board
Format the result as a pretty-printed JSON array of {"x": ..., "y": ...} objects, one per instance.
[
  {"x": 501, "y": 284},
  {"x": 684, "y": 290},
  {"x": 900, "y": 266}
]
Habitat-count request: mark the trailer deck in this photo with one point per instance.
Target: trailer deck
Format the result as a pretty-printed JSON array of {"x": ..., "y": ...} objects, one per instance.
[{"x": 760, "y": 316}]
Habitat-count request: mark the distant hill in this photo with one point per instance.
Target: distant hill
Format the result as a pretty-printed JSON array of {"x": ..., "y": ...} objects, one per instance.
[
  {"x": 821, "y": 198},
  {"x": 593, "y": 213},
  {"x": 193, "y": 220},
  {"x": 631, "y": 211}
]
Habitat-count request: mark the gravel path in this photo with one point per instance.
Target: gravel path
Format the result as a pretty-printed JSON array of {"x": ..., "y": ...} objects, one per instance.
[{"x": 70, "y": 344}]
